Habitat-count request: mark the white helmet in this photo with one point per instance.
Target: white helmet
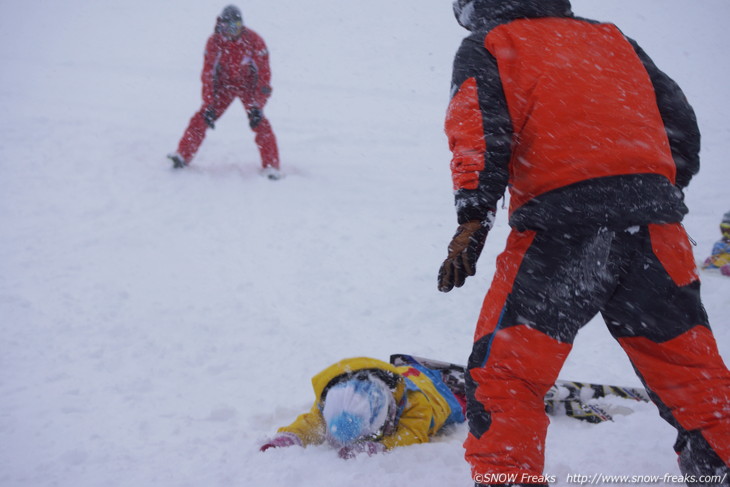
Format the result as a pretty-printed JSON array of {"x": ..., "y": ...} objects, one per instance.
[{"x": 357, "y": 408}]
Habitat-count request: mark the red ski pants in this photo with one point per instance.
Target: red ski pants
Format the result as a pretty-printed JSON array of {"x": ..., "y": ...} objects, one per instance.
[
  {"x": 195, "y": 133},
  {"x": 547, "y": 286}
]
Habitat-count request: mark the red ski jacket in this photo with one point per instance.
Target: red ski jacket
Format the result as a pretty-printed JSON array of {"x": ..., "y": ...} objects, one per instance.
[
  {"x": 572, "y": 116},
  {"x": 241, "y": 65}
]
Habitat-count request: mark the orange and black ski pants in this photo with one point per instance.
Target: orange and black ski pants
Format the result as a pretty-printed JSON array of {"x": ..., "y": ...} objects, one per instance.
[{"x": 547, "y": 285}]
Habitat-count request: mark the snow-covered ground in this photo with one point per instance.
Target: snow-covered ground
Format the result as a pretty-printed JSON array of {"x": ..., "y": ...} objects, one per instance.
[{"x": 156, "y": 326}]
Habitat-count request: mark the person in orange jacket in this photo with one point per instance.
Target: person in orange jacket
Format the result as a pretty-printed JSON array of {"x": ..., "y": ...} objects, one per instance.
[
  {"x": 596, "y": 145},
  {"x": 236, "y": 66},
  {"x": 364, "y": 405}
]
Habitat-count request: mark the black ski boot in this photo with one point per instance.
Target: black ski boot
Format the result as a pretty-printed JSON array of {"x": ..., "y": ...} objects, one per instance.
[{"x": 177, "y": 161}]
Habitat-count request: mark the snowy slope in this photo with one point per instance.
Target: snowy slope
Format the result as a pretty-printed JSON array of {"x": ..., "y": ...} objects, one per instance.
[{"x": 157, "y": 326}]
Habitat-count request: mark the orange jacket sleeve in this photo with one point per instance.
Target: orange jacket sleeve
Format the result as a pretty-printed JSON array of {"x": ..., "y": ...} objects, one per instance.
[{"x": 479, "y": 130}]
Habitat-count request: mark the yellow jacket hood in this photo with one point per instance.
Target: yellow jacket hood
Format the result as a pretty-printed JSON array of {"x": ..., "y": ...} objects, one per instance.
[{"x": 347, "y": 368}]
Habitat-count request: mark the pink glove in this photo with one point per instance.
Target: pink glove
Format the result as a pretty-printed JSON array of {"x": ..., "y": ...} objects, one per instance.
[
  {"x": 369, "y": 447},
  {"x": 725, "y": 270},
  {"x": 281, "y": 440}
]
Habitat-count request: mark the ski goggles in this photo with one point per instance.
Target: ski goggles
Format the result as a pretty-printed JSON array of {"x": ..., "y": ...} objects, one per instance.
[{"x": 231, "y": 28}]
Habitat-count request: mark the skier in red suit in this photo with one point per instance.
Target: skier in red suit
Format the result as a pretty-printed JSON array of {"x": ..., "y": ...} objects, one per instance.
[{"x": 236, "y": 66}]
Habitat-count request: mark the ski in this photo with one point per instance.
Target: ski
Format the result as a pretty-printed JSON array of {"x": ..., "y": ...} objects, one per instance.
[{"x": 572, "y": 398}]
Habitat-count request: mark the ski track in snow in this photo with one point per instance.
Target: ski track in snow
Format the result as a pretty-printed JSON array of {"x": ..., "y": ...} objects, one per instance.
[{"x": 158, "y": 325}]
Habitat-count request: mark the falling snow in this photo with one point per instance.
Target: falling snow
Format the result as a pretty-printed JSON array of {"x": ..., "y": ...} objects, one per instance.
[{"x": 157, "y": 326}]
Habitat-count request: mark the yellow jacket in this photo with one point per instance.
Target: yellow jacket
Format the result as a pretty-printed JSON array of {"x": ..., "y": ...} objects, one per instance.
[
  {"x": 422, "y": 414},
  {"x": 720, "y": 255}
]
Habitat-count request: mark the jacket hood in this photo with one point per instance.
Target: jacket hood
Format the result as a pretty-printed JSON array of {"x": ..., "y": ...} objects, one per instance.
[
  {"x": 476, "y": 15},
  {"x": 349, "y": 368}
]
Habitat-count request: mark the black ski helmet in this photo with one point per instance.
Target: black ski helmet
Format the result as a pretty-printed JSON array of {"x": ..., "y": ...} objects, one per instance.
[
  {"x": 463, "y": 11},
  {"x": 231, "y": 14},
  {"x": 725, "y": 226},
  {"x": 230, "y": 22}
]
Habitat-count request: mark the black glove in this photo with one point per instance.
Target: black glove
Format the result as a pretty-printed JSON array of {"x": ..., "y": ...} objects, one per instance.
[
  {"x": 209, "y": 117},
  {"x": 254, "y": 117},
  {"x": 464, "y": 251},
  {"x": 266, "y": 90}
]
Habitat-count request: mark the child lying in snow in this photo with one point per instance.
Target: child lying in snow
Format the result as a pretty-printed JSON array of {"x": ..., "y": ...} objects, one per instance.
[{"x": 364, "y": 405}]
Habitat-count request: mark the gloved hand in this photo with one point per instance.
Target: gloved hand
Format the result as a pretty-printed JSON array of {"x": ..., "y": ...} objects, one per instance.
[
  {"x": 369, "y": 447},
  {"x": 464, "y": 251},
  {"x": 209, "y": 117},
  {"x": 266, "y": 90},
  {"x": 281, "y": 440},
  {"x": 254, "y": 117},
  {"x": 725, "y": 270}
]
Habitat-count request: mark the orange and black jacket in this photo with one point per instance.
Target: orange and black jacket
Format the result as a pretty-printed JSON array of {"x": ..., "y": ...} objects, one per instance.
[{"x": 569, "y": 114}]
